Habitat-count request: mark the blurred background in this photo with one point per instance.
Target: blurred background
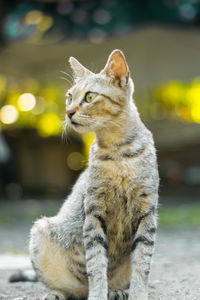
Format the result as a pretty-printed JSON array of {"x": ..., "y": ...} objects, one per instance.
[{"x": 161, "y": 41}]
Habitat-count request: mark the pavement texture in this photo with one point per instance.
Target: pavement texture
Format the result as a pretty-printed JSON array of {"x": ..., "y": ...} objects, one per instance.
[{"x": 175, "y": 273}]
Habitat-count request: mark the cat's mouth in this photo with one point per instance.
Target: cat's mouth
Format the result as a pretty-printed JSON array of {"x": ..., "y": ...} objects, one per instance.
[{"x": 75, "y": 123}]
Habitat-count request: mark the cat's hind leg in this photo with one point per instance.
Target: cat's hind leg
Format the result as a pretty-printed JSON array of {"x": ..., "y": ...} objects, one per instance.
[
  {"x": 54, "y": 295},
  {"x": 54, "y": 265}
]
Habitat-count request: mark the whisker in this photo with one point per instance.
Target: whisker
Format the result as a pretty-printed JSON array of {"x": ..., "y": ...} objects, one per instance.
[
  {"x": 65, "y": 130},
  {"x": 66, "y": 79},
  {"x": 84, "y": 116},
  {"x": 68, "y": 74}
]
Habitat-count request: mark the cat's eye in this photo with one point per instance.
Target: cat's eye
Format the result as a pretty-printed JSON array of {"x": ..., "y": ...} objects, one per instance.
[
  {"x": 69, "y": 99},
  {"x": 90, "y": 96}
]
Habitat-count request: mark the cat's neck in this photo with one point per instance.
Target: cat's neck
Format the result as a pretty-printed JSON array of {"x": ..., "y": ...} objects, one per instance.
[{"x": 122, "y": 132}]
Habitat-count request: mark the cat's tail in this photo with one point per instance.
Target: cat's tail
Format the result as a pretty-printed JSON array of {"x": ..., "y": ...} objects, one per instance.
[{"x": 23, "y": 275}]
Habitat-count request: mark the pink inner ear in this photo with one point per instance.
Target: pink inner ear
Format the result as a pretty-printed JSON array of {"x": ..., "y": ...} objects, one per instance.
[{"x": 118, "y": 66}]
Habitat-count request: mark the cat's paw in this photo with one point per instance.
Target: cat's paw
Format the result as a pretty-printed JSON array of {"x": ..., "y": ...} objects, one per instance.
[
  {"x": 54, "y": 295},
  {"x": 118, "y": 294}
]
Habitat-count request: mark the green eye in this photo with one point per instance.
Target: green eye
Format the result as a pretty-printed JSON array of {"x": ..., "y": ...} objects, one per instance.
[
  {"x": 90, "y": 97},
  {"x": 69, "y": 99}
]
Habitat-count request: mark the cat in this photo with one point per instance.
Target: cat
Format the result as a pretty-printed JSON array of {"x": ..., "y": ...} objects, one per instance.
[{"x": 100, "y": 244}]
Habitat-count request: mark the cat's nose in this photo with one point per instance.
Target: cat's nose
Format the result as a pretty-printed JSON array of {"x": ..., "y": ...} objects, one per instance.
[{"x": 70, "y": 113}]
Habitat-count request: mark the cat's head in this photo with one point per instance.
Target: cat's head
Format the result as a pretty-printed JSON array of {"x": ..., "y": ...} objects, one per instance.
[{"x": 97, "y": 101}]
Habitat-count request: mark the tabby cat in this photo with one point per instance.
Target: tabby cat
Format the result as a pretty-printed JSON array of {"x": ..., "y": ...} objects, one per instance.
[{"x": 100, "y": 244}]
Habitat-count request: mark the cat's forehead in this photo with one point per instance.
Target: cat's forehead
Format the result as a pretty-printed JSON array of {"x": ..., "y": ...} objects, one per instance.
[
  {"x": 94, "y": 83},
  {"x": 90, "y": 83}
]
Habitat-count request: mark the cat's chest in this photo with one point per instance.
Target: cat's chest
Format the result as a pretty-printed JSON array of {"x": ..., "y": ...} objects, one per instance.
[
  {"x": 115, "y": 194},
  {"x": 116, "y": 169},
  {"x": 121, "y": 219},
  {"x": 115, "y": 189},
  {"x": 120, "y": 209}
]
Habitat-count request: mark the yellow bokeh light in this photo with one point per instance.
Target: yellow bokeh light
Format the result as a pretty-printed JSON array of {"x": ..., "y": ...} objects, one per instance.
[
  {"x": 181, "y": 100},
  {"x": 74, "y": 161},
  {"x": 88, "y": 139},
  {"x": 193, "y": 94},
  {"x": 8, "y": 114},
  {"x": 49, "y": 124},
  {"x": 195, "y": 113},
  {"x": 183, "y": 113},
  {"x": 173, "y": 93},
  {"x": 26, "y": 102},
  {"x": 33, "y": 17},
  {"x": 46, "y": 23}
]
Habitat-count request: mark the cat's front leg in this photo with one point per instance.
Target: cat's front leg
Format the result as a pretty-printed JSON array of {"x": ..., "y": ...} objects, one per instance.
[
  {"x": 96, "y": 247},
  {"x": 142, "y": 250}
]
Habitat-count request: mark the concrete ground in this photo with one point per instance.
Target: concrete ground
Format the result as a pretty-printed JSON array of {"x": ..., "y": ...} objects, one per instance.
[{"x": 175, "y": 271}]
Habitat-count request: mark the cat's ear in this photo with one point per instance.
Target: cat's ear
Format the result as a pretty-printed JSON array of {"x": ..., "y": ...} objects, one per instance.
[
  {"x": 116, "y": 68},
  {"x": 78, "y": 70}
]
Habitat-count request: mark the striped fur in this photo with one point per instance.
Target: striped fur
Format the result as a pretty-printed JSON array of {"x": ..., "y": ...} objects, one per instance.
[{"x": 100, "y": 244}]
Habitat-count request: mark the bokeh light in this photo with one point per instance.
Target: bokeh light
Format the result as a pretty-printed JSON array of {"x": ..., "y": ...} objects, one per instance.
[
  {"x": 8, "y": 114},
  {"x": 65, "y": 8},
  {"x": 178, "y": 100},
  {"x": 79, "y": 16},
  {"x": 188, "y": 11},
  {"x": 88, "y": 139},
  {"x": 33, "y": 17},
  {"x": 49, "y": 124},
  {"x": 195, "y": 113},
  {"x": 26, "y": 102},
  {"x": 102, "y": 16},
  {"x": 193, "y": 93},
  {"x": 40, "y": 106},
  {"x": 172, "y": 93},
  {"x": 46, "y": 23},
  {"x": 74, "y": 161},
  {"x": 96, "y": 35}
]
